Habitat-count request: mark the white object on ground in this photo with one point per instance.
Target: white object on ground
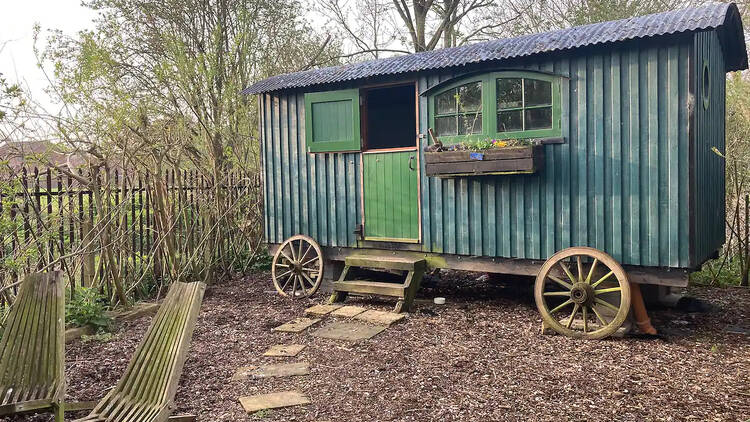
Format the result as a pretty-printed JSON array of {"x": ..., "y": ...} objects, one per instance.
[{"x": 439, "y": 301}]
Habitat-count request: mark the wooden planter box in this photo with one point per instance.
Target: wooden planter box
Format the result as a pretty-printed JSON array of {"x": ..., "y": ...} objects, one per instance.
[{"x": 510, "y": 160}]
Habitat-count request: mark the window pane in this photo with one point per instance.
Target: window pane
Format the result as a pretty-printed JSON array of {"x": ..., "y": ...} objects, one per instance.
[
  {"x": 470, "y": 97},
  {"x": 509, "y": 121},
  {"x": 470, "y": 123},
  {"x": 537, "y": 92},
  {"x": 539, "y": 118},
  {"x": 445, "y": 126},
  {"x": 446, "y": 102},
  {"x": 509, "y": 93}
]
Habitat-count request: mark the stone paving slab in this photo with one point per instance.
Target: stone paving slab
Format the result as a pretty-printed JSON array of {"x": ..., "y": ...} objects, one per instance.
[
  {"x": 380, "y": 317},
  {"x": 258, "y": 402},
  {"x": 350, "y": 331},
  {"x": 348, "y": 311},
  {"x": 297, "y": 325},
  {"x": 321, "y": 310},
  {"x": 268, "y": 371},
  {"x": 285, "y": 350}
]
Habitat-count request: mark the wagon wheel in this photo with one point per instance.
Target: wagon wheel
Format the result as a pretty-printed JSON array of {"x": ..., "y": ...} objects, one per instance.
[
  {"x": 297, "y": 267},
  {"x": 582, "y": 282}
]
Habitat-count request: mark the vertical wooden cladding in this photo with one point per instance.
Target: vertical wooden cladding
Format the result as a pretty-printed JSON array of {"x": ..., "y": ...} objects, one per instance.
[
  {"x": 618, "y": 183},
  {"x": 708, "y": 180},
  {"x": 313, "y": 194}
]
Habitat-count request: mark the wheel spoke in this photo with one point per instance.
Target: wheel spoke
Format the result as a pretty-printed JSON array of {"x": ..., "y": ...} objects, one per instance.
[
  {"x": 580, "y": 267},
  {"x": 299, "y": 251},
  {"x": 556, "y": 293},
  {"x": 286, "y": 283},
  {"x": 279, "y": 264},
  {"x": 291, "y": 249},
  {"x": 606, "y": 276},
  {"x": 286, "y": 256},
  {"x": 302, "y": 258},
  {"x": 311, "y": 260},
  {"x": 584, "y": 311},
  {"x": 560, "y": 282},
  {"x": 611, "y": 289},
  {"x": 302, "y": 285},
  {"x": 312, "y": 283},
  {"x": 284, "y": 273},
  {"x": 599, "y": 316},
  {"x": 572, "y": 314},
  {"x": 591, "y": 271},
  {"x": 567, "y": 271},
  {"x": 294, "y": 286},
  {"x": 606, "y": 304},
  {"x": 560, "y": 306}
]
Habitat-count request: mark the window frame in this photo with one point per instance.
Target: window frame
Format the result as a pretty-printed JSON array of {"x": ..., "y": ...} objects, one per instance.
[
  {"x": 490, "y": 110},
  {"x": 349, "y": 145},
  {"x": 482, "y": 106}
]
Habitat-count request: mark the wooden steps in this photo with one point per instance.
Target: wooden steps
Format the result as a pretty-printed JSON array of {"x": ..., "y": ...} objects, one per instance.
[{"x": 405, "y": 292}]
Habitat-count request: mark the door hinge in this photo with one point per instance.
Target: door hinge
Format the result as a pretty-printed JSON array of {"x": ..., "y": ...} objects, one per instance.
[{"x": 359, "y": 231}]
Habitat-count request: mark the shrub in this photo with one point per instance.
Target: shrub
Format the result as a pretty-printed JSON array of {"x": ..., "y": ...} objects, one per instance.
[{"x": 88, "y": 309}]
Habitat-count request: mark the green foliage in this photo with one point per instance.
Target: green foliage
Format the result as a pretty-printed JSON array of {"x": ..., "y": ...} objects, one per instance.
[
  {"x": 87, "y": 308},
  {"x": 262, "y": 262},
  {"x": 262, "y": 414},
  {"x": 719, "y": 272}
]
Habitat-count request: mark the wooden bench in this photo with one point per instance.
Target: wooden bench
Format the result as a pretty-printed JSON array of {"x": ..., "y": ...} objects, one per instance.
[
  {"x": 146, "y": 391},
  {"x": 32, "y": 349}
]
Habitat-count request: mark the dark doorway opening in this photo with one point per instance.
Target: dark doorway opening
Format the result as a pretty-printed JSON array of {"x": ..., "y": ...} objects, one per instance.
[{"x": 390, "y": 117}]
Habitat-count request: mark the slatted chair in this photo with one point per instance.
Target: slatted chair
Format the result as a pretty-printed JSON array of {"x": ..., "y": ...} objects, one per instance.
[
  {"x": 146, "y": 391},
  {"x": 32, "y": 349}
]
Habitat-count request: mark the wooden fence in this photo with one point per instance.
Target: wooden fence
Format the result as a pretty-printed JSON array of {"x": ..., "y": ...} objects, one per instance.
[{"x": 50, "y": 219}]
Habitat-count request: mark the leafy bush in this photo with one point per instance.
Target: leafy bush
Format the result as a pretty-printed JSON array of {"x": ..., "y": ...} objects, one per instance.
[
  {"x": 719, "y": 272},
  {"x": 88, "y": 309}
]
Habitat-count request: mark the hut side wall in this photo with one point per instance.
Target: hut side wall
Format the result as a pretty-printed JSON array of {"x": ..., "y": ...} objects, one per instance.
[
  {"x": 618, "y": 183},
  {"x": 313, "y": 194},
  {"x": 709, "y": 179}
]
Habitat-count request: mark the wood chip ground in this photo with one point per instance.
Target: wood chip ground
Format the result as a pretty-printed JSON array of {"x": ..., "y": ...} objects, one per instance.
[{"x": 479, "y": 357}]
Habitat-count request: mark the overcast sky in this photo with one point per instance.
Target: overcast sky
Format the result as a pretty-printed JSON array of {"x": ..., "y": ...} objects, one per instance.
[{"x": 17, "y": 19}]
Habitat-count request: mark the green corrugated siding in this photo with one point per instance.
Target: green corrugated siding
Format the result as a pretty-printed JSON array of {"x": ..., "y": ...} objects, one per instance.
[
  {"x": 619, "y": 182},
  {"x": 314, "y": 194},
  {"x": 391, "y": 200},
  {"x": 709, "y": 179}
]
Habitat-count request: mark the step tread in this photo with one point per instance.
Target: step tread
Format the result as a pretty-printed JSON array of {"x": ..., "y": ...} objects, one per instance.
[
  {"x": 371, "y": 287},
  {"x": 389, "y": 262}
]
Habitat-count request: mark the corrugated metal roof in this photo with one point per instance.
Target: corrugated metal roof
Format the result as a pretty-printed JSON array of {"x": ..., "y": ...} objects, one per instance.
[{"x": 723, "y": 16}]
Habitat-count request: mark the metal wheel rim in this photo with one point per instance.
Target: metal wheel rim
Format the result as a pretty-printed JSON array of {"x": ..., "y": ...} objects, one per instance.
[
  {"x": 297, "y": 267},
  {"x": 579, "y": 282}
]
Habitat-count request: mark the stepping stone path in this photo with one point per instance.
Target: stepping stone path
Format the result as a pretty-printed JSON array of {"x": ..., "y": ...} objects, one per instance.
[
  {"x": 297, "y": 325},
  {"x": 348, "y": 311},
  {"x": 284, "y": 350},
  {"x": 321, "y": 310},
  {"x": 267, "y": 371},
  {"x": 380, "y": 317},
  {"x": 258, "y": 402},
  {"x": 351, "y": 331},
  {"x": 373, "y": 323}
]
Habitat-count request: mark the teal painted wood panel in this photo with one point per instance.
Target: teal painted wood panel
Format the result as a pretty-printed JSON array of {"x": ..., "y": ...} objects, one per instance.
[
  {"x": 620, "y": 182},
  {"x": 390, "y": 196},
  {"x": 708, "y": 180}
]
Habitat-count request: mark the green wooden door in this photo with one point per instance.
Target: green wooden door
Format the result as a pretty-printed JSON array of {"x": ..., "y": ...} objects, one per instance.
[{"x": 391, "y": 196}]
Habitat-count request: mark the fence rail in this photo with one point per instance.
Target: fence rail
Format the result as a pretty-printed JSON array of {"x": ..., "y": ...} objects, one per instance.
[{"x": 51, "y": 219}]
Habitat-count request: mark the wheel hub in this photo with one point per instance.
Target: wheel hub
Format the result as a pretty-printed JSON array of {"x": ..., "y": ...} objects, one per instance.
[{"x": 582, "y": 293}]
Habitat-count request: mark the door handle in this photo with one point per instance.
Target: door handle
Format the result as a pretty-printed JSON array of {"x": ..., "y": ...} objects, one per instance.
[{"x": 411, "y": 159}]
